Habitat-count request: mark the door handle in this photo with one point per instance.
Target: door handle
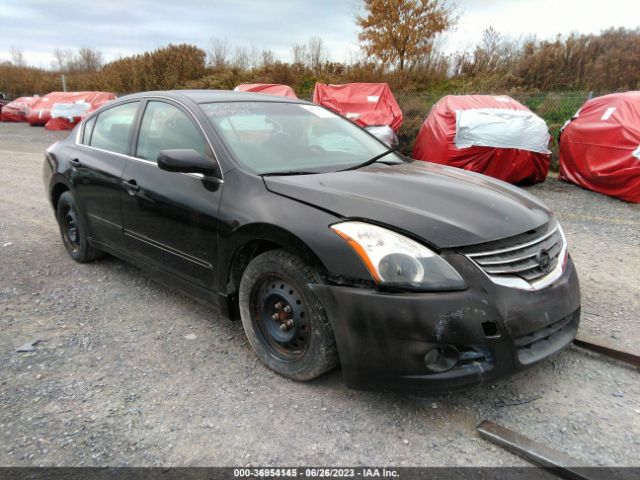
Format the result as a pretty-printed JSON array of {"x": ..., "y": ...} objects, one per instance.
[
  {"x": 131, "y": 186},
  {"x": 75, "y": 163}
]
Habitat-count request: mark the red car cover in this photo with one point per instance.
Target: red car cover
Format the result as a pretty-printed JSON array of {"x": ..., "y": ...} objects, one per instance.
[
  {"x": 267, "y": 88},
  {"x": 600, "y": 146},
  {"x": 507, "y": 141},
  {"x": 367, "y": 104},
  {"x": 40, "y": 111},
  {"x": 16, "y": 110}
]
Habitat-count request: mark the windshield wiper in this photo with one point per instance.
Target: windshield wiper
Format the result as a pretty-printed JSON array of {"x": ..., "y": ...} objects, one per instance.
[
  {"x": 371, "y": 160},
  {"x": 288, "y": 172}
]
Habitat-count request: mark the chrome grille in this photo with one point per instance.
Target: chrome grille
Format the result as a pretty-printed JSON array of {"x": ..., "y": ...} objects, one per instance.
[{"x": 530, "y": 261}]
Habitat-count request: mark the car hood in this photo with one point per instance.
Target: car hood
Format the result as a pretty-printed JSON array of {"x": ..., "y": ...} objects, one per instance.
[{"x": 446, "y": 207}]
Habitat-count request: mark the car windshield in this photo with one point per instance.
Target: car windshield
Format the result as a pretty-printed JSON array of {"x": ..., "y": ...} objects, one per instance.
[{"x": 289, "y": 138}]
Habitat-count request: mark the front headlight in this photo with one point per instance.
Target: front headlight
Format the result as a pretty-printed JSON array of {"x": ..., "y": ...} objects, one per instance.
[{"x": 395, "y": 260}]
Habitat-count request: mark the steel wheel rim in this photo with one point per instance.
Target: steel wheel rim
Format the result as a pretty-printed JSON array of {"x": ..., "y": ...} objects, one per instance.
[
  {"x": 71, "y": 232},
  {"x": 280, "y": 318}
]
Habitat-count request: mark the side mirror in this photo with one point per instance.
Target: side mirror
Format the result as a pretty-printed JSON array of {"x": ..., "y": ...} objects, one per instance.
[{"x": 187, "y": 161}]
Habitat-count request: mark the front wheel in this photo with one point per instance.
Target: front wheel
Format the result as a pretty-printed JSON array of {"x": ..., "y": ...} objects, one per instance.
[{"x": 283, "y": 319}]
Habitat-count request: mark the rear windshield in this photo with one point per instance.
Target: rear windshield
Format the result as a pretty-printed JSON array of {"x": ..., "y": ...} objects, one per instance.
[{"x": 268, "y": 138}]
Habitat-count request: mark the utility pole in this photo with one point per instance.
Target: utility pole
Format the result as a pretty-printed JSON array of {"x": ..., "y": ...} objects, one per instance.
[{"x": 64, "y": 83}]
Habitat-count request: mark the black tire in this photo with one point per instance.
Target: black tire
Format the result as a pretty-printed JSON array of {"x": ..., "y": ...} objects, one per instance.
[
  {"x": 272, "y": 282},
  {"x": 74, "y": 231}
]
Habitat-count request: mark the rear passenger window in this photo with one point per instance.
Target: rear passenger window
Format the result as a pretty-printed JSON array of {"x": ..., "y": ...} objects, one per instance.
[
  {"x": 165, "y": 127},
  {"x": 113, "y": 127},
  {"x": 88, "y": 128}
]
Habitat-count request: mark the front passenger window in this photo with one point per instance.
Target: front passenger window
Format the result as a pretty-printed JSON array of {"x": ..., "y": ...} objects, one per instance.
[
  {"x": 165, "y": 127},
  {"x": 113, "y": 128}
]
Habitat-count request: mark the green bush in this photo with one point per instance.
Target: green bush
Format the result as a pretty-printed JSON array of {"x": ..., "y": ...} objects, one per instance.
[{"x": 414, "y": 110}]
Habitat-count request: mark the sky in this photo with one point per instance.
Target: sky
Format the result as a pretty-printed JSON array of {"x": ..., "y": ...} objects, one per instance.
[{"x": 123, "y": 27}]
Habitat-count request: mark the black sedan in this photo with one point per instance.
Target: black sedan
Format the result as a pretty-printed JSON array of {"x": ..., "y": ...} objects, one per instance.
[{"x": 330, "y": 247}]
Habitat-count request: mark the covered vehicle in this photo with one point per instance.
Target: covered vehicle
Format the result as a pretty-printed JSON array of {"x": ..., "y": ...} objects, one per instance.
[
  {"x": 492, "y": 135},
  {"x": 267, "y": 88},
  {"x": 70, "y": 107},
  {"x": 370, "y": 105},
  {"x": 600, "y": 146},
  {"x": 16, "y": 110},
  {"x": 65, "y": 116},
  {"x": 3, "y": 101}
]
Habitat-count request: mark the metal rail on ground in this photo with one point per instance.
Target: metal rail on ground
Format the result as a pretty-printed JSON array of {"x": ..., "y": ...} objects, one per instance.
[
  {"x": 556, "y": 462},
  {"x": 606, "y": 349}
]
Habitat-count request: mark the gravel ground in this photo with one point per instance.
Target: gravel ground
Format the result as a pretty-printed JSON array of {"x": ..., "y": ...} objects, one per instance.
[{"x": 128, "y": 372}]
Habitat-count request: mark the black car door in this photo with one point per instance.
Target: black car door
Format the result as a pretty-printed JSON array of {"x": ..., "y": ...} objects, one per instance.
[
  {"x": 97, "y": 164},
  {"x": 170, "y": 218}
]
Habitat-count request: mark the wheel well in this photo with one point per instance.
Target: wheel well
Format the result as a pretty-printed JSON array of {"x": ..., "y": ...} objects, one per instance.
[
  {"x": 242, "y": 257},
  {"x": 57, "y": 190},
  {"x": 251, "y": 250}
]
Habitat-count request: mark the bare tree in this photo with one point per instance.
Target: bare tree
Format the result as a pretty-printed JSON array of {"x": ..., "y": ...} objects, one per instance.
[
  {"x": 299, "y": 53},
  {"x": 17, "y": 56},
  {"x": 218, "y": 53},
  {"x": 88, "y": 59},
  {"x": 354, "y": 56},
  {"x": 317, "y": 52},
  {"x": 254, "y": 55},
  {"x": 487, "y": 54},
  {"x": 69, "y": 60},
  {"x": 59, "y": 60},
  {"x": 85, "y": 60},
  {"x": 268, "y": 57},
  {"x": 240, "y": 58},
  {"x": 493, "y": 54}
]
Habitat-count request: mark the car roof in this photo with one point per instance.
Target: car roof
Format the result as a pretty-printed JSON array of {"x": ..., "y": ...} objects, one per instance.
[{"x": 212, "y": 96}]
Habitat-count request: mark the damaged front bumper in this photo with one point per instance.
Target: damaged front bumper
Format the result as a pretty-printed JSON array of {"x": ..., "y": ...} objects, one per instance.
[{"x": 443, "y": 341}]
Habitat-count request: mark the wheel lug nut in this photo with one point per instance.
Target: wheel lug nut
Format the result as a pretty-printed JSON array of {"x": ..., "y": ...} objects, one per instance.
[
  {"x": 289, "y": 323},
  {"x": 287, "y": 309},
  {"x": 275, "y": 316},
  {"x": 284, "y": 327},
  {"x": 278, "y": 306}
]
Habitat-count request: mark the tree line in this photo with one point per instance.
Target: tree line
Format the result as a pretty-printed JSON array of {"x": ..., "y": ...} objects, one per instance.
[{"x": 399, "y": 45}]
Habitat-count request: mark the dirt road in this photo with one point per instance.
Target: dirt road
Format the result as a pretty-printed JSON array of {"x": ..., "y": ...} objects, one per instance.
[{"x": 128, "y": 372}]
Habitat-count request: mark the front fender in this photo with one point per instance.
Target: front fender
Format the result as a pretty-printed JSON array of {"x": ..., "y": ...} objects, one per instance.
[{"x": 249, "y": 212}]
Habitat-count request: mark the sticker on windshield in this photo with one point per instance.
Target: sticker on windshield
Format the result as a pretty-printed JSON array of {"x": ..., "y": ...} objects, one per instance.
[
  {"x": 317, "y": 111},
  {"x": 228, "y": 109},
  {"x": 373, "y": 98}
]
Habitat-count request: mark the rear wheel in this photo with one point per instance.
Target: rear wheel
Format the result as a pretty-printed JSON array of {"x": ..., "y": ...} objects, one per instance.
[
  {"x": 284, "y": 321},
  {"x": 74, "y": 231}
]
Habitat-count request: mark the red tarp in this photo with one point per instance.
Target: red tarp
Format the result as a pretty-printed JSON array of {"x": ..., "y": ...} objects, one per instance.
[
  {"x": 40, "y": 111},
  {"x": 507, "y": 152},
  {"x": 600, "y": 147},
  {"x": 367, "y": 104},
  {"x": 16, "y": 111},
  {"x": 267, "y": 88}
]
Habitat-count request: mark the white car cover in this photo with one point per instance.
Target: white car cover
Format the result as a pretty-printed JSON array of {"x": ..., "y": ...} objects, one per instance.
[
  {"x": 70, "y": 110},
  {"x": 384, "y": 133},
  {"x": 501, "y": 128}
]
